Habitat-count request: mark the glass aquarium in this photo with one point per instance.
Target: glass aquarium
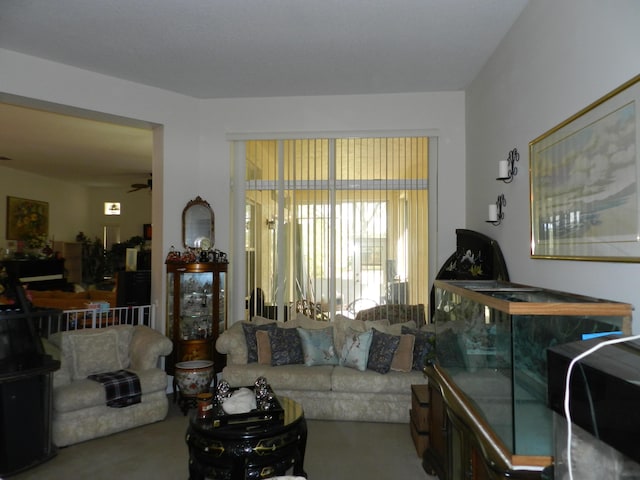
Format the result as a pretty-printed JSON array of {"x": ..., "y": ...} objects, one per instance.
[{"x": 491, "y": 339}]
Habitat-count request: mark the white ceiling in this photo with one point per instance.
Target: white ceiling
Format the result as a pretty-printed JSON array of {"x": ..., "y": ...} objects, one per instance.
[
  {"x": 89, "y": 152},
  {"x": 258, "y": 48}
]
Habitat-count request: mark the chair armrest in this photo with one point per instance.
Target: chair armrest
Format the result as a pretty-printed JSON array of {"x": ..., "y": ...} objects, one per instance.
[{"x": 147, "y": 346}]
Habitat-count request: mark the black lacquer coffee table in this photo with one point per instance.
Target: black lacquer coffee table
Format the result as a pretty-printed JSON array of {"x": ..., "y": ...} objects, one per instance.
[{"x": 239, "y": 452}]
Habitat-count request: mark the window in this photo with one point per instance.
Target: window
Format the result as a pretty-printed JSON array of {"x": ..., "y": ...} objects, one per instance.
[{"x": 338, "y": 223}]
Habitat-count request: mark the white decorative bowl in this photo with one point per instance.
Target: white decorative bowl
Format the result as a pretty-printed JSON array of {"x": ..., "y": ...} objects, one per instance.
[{"x": 194, "y": 377}]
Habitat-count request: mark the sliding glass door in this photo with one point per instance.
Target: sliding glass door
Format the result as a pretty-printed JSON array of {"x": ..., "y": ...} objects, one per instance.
[{"x": 337, "y": 224}]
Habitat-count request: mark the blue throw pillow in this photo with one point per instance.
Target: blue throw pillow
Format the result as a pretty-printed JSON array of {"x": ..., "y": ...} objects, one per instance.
[
  {"x": 286, "y": 347},
  {"x": 250, "y": 337},
  {"x": 317, "y": 346},
  {"x": 355, "y": 352},
  {"x": 383, "y": 348},
  {"x": 423, "y": 348}
]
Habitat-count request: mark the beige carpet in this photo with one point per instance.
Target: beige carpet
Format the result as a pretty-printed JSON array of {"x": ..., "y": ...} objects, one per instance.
[{"x": 335, "y": 451}]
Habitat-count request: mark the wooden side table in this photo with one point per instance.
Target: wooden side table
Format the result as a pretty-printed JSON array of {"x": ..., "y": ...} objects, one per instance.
[{"x": 419, "y": 414}]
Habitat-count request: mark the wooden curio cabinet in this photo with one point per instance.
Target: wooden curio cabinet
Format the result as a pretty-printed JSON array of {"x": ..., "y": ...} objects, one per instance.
[{"x": 196, "y": 311}]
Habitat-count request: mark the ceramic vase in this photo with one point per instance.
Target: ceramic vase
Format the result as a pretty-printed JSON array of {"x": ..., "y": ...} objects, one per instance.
[{"x": 194, "y": 377}]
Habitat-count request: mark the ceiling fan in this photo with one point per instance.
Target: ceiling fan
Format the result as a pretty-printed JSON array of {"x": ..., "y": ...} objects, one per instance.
[{"x": 141, "y": 186}]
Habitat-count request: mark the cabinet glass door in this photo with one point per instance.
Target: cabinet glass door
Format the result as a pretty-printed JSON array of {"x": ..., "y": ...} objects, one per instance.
[
  {"x": 170, "y": 306},
  {"x": 222, "y": 303},
  {"x": 196, "y": 306}
]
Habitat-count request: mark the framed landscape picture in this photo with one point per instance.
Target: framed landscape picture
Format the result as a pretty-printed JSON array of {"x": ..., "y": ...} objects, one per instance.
[
  {"x": 585, "y": 203},
  {"x": 27, "y": 219}
]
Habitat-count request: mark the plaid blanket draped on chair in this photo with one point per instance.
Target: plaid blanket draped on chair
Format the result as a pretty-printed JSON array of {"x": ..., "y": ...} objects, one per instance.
[{"x": 122, "y": 388}]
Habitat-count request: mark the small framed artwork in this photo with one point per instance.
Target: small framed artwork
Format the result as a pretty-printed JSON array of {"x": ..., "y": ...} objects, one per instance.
[
  {"x": 27, "y": 219},
  {"x": 146, "y": 231},
  {"x": 585, "y": 203}
]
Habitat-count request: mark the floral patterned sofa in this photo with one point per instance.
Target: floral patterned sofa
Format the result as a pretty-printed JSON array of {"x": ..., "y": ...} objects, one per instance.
[
  {"x": 334, "y": 379},
  {"x": 80, "y": 411}
]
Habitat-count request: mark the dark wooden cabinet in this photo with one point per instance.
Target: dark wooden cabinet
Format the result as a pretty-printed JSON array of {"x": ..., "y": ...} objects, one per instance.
[
  {"x": 419, "y": 417},
  {"x": 196, "y": 311},
  {"x": 436, "y": 454},
  {"x": 462, "y": 444}
]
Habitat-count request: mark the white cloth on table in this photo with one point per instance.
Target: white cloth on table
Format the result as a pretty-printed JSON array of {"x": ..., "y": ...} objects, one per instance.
[{"x": 242, "y": 400}]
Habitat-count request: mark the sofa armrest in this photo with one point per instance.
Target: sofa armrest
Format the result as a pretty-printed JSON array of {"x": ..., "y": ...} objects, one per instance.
[
  {"x": 61, "y": 376},
  {"x": 147, "y": 346},
  {"x": 233, "y": 344}
]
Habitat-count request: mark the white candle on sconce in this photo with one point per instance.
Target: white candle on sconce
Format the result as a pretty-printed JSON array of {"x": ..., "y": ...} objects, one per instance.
[
  {"x": 493, "y": 212},
  {"x": 503, "y": 169}
]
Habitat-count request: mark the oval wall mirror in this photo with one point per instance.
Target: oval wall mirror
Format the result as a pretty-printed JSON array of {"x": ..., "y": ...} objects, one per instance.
[{"x": 198, "y": 225}]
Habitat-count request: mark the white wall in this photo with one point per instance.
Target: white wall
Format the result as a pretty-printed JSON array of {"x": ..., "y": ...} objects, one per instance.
[
  {"x": 560, "y": 56},
  {"x": 68, "y": 212},
  {"x": 176, "y": 114},
  {"x": 72, "y": 208},
  {"x": 193, "y": 156},
  {"x": 441, "y": 114},
  {"x": 135, "y": 211}
]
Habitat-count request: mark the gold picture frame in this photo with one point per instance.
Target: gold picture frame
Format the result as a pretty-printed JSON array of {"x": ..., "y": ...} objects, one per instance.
[
  {"x": 584, "y": 188},
  {"x": 27, "y": 220}
]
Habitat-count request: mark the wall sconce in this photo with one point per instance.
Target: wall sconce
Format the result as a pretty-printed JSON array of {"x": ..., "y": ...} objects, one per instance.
[
  {"x": 495, "y": 210},
  {"x": 271, "y": 223},
  {"x": 507, "y": 168}
]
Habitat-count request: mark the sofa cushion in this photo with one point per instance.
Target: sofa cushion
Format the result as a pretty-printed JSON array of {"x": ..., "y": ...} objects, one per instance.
[
  {"x": 317, "y": 346},
  {"x": 424, "y": 347},
  {"x": 286, "y": 377},
  {"x": 94, "y": 350},
  {"x": 351, "y": 380},
  {"x": 96, "y": 353},
  {"x": 302, "y": 321},
  {"x": 383, "y": 348},
  {"x": 89, "y": 393},
  {"x": 355, "y": 352},
  {"x": 403, "y": 358},
  {"x": 264, "y": 347},
  {"x": 342, "y": 325},
  {"x": 286, "y": 347},
  {"x": 250, "y": 337}
]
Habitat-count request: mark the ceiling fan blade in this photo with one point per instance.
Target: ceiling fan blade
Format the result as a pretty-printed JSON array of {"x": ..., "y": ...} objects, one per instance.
[{"x": 140, "y": 186}]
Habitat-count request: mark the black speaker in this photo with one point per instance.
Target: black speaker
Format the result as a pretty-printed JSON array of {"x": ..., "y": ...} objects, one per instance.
[
  {"x": 134, "y": 288},
  {"x": 24, "y": 424}
]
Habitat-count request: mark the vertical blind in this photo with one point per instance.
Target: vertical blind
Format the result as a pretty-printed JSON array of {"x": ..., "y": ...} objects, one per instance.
[{"x": 339, "y": 224}]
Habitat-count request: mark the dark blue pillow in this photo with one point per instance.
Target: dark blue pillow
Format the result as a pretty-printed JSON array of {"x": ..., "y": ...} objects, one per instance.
[
  {"x": 250, "y": 337},
  {"x": 383, "y": 348},
  {"x": 423, "y": 348},
  {"x": 286, "y": 346}
]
